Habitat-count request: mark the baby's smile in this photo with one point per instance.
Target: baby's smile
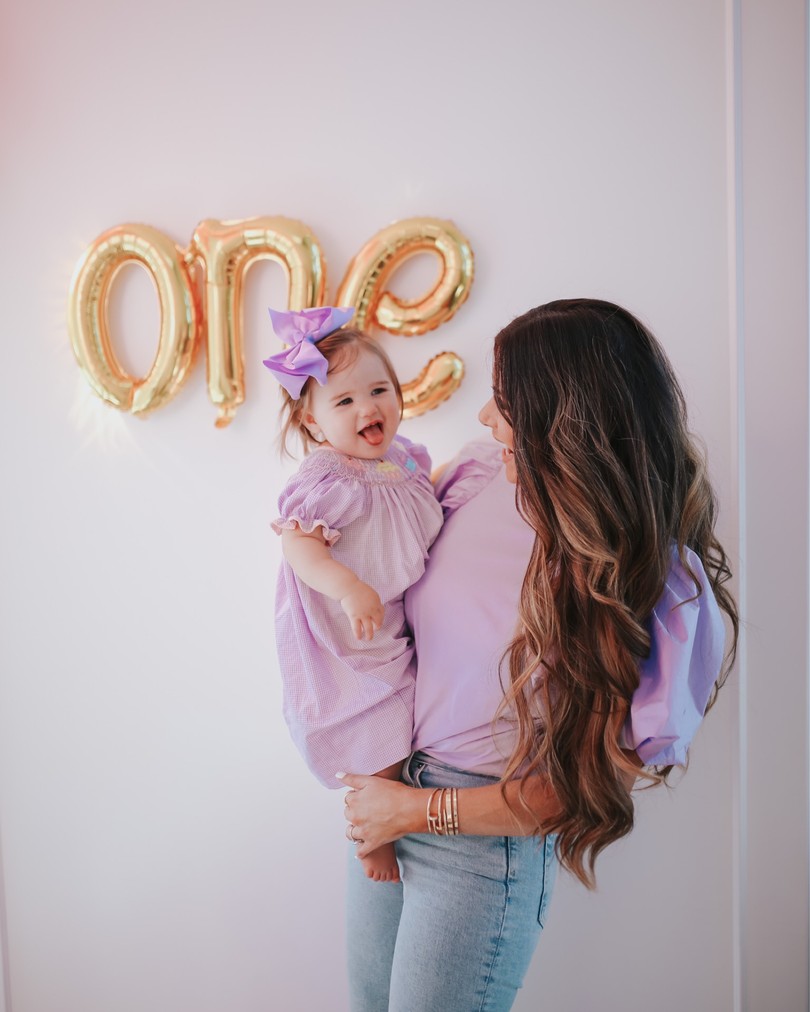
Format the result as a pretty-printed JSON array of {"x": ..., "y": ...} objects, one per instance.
[{"x": 373, "y": 434}]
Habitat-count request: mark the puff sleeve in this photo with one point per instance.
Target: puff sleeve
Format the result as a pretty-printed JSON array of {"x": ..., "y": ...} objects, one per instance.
[
  {"x": 319, "y": 497},
  {"x": 686, "y": 655},
  {"x": 467, "y": 474}
]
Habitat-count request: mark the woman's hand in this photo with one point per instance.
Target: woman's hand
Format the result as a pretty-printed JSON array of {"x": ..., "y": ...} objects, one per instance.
[
  {"x": 381, "y": 811},
  {"x": 364, "y": 608}
]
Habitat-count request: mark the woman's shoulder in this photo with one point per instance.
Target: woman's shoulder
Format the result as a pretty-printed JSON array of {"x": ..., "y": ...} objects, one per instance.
[{"x": 468, "y": 473}]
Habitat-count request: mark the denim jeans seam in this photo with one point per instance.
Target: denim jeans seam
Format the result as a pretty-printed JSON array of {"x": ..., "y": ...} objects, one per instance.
[
  {"x": 548, "y": 860},
  {"x": 543, "y": 886},
  {"x": 497, "y": 945}
]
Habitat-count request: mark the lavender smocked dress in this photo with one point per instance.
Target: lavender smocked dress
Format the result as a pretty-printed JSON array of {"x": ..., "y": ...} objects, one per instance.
[{"x": 349, "y": 703}]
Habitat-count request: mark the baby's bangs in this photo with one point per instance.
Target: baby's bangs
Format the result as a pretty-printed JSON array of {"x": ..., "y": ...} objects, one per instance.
[
  {"x": 341, "y": 348},
  {"x": 342, "y": 356}
]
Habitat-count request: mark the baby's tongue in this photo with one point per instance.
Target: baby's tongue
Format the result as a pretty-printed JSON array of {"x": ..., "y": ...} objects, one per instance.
[{"x": 373, "y": 434}]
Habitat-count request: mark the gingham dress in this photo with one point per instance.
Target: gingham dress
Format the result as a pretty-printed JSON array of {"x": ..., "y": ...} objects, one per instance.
[{"x": 349, "y": 703}]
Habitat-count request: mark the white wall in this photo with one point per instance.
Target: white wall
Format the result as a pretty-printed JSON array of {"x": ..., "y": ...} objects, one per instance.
[
  {"x": 772, "y": 326},
  {"x": 163, "y": 848}
]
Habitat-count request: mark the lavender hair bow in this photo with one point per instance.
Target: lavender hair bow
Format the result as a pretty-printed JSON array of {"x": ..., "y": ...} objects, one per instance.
[{"x": 301, "y": 330}]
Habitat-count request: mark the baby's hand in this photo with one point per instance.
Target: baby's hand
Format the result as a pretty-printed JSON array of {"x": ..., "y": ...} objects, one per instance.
[{"x": 365, "y": 610}]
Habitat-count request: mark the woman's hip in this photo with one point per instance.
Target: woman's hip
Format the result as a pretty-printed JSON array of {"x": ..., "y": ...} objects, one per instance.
[{"x": 521, "y": 869}]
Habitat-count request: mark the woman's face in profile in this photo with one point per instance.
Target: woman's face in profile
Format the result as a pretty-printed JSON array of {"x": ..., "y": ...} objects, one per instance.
[{"x": 490, "y": 416}]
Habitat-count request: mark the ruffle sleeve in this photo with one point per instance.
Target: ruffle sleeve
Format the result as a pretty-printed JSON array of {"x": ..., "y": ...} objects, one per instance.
[
  {"x": 686, "y": 655},
  {"x": 470, "y": 471},
  {"x": 315, "y": 497}
]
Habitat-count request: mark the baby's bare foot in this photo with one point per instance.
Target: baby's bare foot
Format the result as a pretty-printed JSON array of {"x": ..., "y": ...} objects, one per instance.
[{"x": 381, "y": 864}]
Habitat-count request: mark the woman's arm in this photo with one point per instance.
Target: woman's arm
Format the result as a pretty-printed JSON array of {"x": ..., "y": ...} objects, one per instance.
[
  {"x": 310, "y": 558},
  {"x": 383, "y": 810},
  {"x": 437, "y": 472}
]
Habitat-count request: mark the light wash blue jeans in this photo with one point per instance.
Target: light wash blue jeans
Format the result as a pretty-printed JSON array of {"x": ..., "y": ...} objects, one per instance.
[{"x": 458, "y": 933}]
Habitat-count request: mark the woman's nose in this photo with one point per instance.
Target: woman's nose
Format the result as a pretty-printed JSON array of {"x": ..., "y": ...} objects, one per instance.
[{"x": 485, "y": 414}]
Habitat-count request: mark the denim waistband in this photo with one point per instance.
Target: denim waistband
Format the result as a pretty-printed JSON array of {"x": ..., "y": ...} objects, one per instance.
[{"x": 422, "y": 770}]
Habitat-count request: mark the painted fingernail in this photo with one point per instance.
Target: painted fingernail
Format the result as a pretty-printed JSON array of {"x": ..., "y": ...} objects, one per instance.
[{"x": 340, "y": 776}]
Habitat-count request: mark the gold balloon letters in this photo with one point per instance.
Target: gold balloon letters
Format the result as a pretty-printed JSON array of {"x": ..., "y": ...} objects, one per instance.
[
  {"x": 179, "y": 317},
  {"x": 220, "y": 253}
]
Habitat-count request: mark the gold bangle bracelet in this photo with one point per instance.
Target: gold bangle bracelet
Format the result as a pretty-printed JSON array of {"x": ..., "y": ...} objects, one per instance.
[
  {"x": 444, "y": 821},
  {"x": 431, "y": 819}
]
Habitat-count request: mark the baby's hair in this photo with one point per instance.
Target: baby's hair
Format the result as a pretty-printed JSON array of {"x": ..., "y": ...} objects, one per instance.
[{"x": 340, "y": 349}]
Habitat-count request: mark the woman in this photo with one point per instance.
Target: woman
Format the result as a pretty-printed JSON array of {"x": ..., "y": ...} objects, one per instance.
[{"x": 616, "y": 653}]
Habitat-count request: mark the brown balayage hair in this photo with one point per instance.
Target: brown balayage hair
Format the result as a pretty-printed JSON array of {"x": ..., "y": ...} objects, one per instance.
[
  {"x": 340, "y": 349},
  {"x": 610, "y": 479}
]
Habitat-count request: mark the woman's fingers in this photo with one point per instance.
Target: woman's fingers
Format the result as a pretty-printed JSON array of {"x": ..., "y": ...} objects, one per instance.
[
  {"x": 356, "y": 780},
  {"x": 367, "y": 807}
]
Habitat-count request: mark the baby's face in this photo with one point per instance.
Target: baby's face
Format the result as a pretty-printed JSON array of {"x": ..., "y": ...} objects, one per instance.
[{"x": 357, "y": 410}]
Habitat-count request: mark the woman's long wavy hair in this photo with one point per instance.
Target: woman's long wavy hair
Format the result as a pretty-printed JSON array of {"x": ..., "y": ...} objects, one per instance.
[{"x": 609, "y": 478}]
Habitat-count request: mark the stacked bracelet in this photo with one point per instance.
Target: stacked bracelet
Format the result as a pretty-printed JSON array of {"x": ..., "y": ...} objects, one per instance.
[{"x": 444, "y": 820}]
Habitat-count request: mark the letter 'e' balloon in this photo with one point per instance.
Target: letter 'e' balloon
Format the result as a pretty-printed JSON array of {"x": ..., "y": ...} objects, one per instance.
[{"x": 364, "y": 287}]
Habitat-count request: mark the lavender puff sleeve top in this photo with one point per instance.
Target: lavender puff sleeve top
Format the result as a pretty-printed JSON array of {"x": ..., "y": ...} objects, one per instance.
[
  {"x": 464, "y": 610},
  {"x": 349, "y": 703}
]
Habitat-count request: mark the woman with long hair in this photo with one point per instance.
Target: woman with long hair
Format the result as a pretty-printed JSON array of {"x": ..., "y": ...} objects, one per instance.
[{"x": 570, "y": 634}]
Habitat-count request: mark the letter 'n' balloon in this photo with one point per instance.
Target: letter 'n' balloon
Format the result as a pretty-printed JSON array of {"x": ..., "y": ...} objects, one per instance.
[{"x": 227, "y": 249}]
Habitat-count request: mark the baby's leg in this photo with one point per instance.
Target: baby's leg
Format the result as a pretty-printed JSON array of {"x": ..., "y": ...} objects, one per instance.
[{"x": 381, "y": 864}]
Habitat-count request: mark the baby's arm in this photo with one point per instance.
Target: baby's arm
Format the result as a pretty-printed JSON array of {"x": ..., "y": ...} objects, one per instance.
[{"x": 310, "y": 558}]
